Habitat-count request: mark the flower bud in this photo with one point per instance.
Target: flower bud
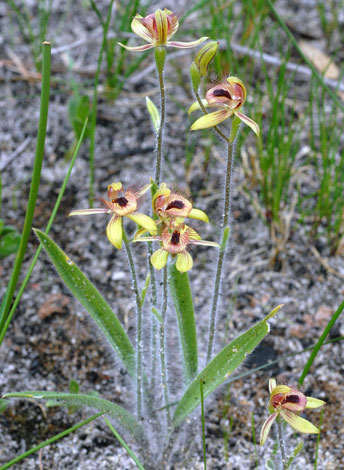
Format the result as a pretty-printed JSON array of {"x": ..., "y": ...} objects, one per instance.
[{"x": 205, "y": 56}]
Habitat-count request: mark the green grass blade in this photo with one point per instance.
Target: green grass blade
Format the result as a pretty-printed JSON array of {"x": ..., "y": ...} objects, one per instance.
[
  {"x": 308, "y": 62},
  {"x": 50, "y": 223},
  {"x": 124, "y": 444},
  {"x": 49, "y": 441},
  {"x": 124, "y": 418},
  {"x": 182, "y": 298},
  {"x": 320, "y": 342},
  {"x": 36, "y": 176},
  {"x": 203, "y": 427},
  {"x": 91, "y": 299},
  {"x": 219, "y": 368}
]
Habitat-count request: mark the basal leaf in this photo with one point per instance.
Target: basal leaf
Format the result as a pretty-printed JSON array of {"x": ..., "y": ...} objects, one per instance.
[
  {"x": 122, "y": 416},
  {"x": 92, "y": 300},
  {"x": 182, "y": 298},
  {"x": 220, "y": 368}
]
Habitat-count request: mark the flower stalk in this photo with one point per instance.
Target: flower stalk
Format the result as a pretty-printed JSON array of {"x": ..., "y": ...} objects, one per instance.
[
  {"x": 222, "y": 252},
  {"x": 160, "y": 57}
]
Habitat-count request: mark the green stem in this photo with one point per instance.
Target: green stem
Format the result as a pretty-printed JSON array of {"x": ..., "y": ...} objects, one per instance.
[
  {"x": 162, "y": 349},
  {"x": 36, "y": 175},
  {"x": 138, "y": 325},
  {"x": 281, "y": 441},
  {"x": 50, "y": 441},
  {"x": 203, "y": 426},
  {"x": 160, "y": 55},
  {"x": 222, "y": 252},
  {"x": 95, "y": 101},
  {"x": 50, "y": 222},
  {"x": 154, "y": 303},
  {"x": 216, "y": 128}
]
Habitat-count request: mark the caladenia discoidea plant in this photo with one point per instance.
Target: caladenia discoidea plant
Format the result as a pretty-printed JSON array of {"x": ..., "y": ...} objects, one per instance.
[
  {"x": 285, "y": 406},
  {"x": 163, "y": 402}
]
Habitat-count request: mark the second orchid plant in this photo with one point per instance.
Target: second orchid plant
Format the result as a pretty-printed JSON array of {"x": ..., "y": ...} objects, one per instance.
[{"x": 162, "y": 408}]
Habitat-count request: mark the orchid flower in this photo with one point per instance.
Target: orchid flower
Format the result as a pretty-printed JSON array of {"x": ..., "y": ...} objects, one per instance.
[
  {"x": 229, "y": 96},
  {"x": 157, "y": 29},
  {"x": 121, "y": 206},
  {"x": 287, "y": 403},
  {"x": 175, "y": 240}
]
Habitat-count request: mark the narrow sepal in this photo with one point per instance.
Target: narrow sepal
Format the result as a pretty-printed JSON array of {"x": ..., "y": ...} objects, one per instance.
[
  {"x": 195, "y": 106},
  {"x": 211, "y": 119},
  {"x": 314, "y": 402},
  {"x": 90, "y": 211},
  {"x": 249, "y": 122},
  {"x": 198, "y": 215},
  {"x": 298, "y": 423},
  {"x": 186, "y": 45},
  {"x": 143, "y": 220},
  {"x": 144, "y": 47},
  {"x": 266, "y": 428}
]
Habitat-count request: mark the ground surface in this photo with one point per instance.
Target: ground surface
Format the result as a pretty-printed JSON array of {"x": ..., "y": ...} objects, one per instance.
[{"x": 51, "y": 340}]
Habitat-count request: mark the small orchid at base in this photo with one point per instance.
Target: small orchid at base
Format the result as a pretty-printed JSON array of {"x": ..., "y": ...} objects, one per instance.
[
  {"x": 175, "y": 240},
  {"x": 157, "y": 29},
  {"x": 230, "y": 95},
  {"x": 287, "y": 403},
  {"x": 121, "y": 206}
]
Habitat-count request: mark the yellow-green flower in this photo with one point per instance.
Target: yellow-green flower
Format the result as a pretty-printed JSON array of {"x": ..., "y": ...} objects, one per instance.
[
  {"x": 175, "y": 240},
  {"x": 287, "y": 403},
  {"x": 157, "y": 29},
  {"x": 229, "y": 96},
  {"x": 121, "y": 204}
]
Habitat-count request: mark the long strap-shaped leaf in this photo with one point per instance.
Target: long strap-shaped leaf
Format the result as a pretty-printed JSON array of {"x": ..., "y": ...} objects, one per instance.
[
  {"x": 219, "y": 369},
  {"x": 182, "y": 298},
  {"x": 122, "y": 416},
  {"x": 92, "y": 300}
]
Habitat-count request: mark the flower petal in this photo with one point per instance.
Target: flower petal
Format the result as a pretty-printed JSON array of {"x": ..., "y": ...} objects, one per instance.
[
  {"x": 272, "y": 384},
  {"x": 90, "y": 211},
  {"x": 186, "y": 45},
  {"x": 314, "y": 402},
  {"x": 204, "y": 243},
  {"x": 143, "y": 220},
  {"x": 144, "y": 47},
  {"x": 266, "y": 428},
  {"x": 141, "y": 30},
  {"x": 143, "y": 190},
  {"x": 114, "y": 231},
  {"x": 199, "y": 215},
  {"x": 211, "y": 119},
  {"x": 184, "y": 262},
  {"x": 159, "y": 258},
  {"x": 297, "y": 423},
  {"x": 280, "y": 389},
  {"x": 161, "y": 26},
  {"x": 249, "y": 122},
  {"x": 195, "y": 106}
]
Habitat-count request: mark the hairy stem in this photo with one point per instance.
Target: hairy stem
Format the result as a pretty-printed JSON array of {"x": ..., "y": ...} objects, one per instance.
[
  {"x": 281, "y": 441},
  {"x": 222, "y": 252},
  {"x": 138, "y": 325},
  {"x": 162, "y": 349},
  {"x": 160, "y": 55}
]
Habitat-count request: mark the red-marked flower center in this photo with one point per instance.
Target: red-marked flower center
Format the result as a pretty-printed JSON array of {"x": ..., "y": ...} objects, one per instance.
[
  {"x": 175, "y": 238},
  {"x": 292, "y": 399},
  {"x": 222, "y": 92},
  {"x": 121, "y": 201},
  {"x": 178, "y": 204}
]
